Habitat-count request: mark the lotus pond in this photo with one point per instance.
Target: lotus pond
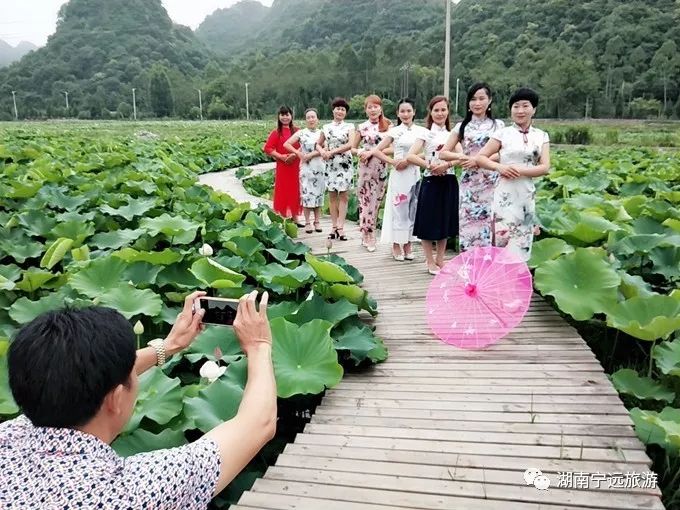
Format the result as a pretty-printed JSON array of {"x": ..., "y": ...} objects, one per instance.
[{"x": 119, "y": 220}]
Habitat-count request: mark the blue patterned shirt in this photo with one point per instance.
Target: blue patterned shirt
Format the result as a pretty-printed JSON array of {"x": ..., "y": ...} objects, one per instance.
[{"x": 55, "y": 468}]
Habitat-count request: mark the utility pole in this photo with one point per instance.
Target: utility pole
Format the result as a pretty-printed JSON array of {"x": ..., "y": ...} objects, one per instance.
[
  {"x": 134, "y": 104},
  {"x": 457, "y": 88},
  {"x": 405, "y": 69},
  {"x": 447, "y": 48},
  {"x": 200, "y": 103},
  {"x": 66, "y": 94},
  {"x": 247, "y": 105},
  {"x": 14, "y": 100}
]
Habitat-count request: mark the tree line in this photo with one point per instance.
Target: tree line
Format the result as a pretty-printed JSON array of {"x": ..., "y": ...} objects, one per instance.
[{"x": 602, "y": 58}]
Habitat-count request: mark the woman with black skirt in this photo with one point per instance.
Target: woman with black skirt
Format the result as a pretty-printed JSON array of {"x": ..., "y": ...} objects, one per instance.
[{"x": 437, "y": 212}]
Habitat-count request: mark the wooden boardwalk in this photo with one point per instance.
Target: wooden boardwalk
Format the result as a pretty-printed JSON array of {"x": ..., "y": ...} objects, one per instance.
[{"x": 436, "y": 427}]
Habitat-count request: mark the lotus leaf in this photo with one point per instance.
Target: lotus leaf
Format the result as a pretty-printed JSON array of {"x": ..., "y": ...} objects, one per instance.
[
  {"x": 177, "y": 275},
  {"x": 165, "y": 257},
  {"x": 7, "y": 405},
  {"x": 219, "y": 401},
  {"x": 99, "y": 276},
  {"x": 131, "y": 301},
  {"x": 661, "y": 428},
  {"x": 159, "y": 399},
  {"x": 215, "y": 275},
  {"x": 77, "y": 230},
  {"x": 548, "y": 249},
  {"x": 213, "y": 337},
  {"x": 318, "y": 308},
  {"x": 134, "y": 207},
  {"x": 282, "y": 309},
  {"x": 56, "y": 252},
  {"x": 583, "y": 283},
  {"x": 283, "y": 280},
  {"x": 140, "y": 441},
  {"x": 629, "y": 382},
  {"x": 175, "y": 227},
  {"x": 33, "y": 279},
  {"x": 328, "y": 271},
  {"x": 357, "y": 338},
  {"x": 666, "y": 262},
  {"x": 633, "y": 285},
  {"x": 24, "y": 310},
  {"x": 305, "y": 360},
  {"x": 646, "y": 317},
  {"x": 142, "y": 274},
  {"x": 667, "y": 357},
  {"x": 116, "y": 238}
]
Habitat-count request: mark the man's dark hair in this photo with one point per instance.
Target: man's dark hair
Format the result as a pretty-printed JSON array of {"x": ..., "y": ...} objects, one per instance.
[
  {"x": 524, "y": 94},
  {"x": 63, "y": 363}
]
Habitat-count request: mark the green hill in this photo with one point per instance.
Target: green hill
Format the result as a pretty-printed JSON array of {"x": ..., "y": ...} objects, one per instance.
[
  {"x": 619, "y": 57},
  {"x": 100, "y": 50}
]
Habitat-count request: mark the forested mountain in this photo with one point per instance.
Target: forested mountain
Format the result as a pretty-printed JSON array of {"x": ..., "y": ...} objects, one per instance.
[
  {"x": 9, "y": 53},
  {"x": 620, "y": 57},
  {"x": 99, "y": 52}
]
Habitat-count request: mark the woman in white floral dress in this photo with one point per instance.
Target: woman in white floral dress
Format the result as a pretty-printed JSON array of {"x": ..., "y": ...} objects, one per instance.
[
  {"x": 476, "y": 184},
  {"x": 335, "y": 147},
  {"x": 399, "y": 213},
  {"x": 372, "y": 170},
  {"x": 524, "y": 154},
  {"x": 312, "y": 168}
]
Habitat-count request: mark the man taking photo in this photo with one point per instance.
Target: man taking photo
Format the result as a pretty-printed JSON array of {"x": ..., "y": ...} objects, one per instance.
[{"x": 73, "y": 373}]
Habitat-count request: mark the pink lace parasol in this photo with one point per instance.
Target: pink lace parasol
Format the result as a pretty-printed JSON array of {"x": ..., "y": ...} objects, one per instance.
[{"x": 479, "y": 297}]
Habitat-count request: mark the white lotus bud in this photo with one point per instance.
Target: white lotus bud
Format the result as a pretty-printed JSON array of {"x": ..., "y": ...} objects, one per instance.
[
  {"x": 206, "y": 250},
  {"x": 138, "y": 328},
  {"x": 211, "y": 371}
]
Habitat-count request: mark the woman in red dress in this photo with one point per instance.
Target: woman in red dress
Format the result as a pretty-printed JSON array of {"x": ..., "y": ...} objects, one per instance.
[{"x": 287, "y": 178}]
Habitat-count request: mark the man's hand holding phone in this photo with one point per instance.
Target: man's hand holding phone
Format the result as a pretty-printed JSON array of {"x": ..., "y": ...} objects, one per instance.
[{"x": 252, "y": 325}]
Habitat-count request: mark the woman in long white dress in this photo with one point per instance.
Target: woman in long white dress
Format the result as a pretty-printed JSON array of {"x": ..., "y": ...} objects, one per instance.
[
  {"x": 399, "y": 212},
  {"x": 312, "y": 168},
  {"x": 524, "y": 155}
]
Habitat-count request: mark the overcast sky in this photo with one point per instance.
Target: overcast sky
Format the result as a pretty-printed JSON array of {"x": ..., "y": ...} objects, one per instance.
[{"x": 34, "y": 20}]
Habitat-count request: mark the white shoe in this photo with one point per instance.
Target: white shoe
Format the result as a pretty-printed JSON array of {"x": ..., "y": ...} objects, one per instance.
[
  {"x": 398, "y": 258},
  {"x": 370, "y": 248}
]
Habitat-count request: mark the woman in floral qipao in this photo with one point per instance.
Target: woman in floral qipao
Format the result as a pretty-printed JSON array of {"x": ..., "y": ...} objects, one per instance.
[
  {"x": 372, "y": 170},
  {"x": 312, "y": 168},
  {"x": 335, "y": 147},
  {"x": 476, "y": 184},
  {"x": 524, "y": 154}
]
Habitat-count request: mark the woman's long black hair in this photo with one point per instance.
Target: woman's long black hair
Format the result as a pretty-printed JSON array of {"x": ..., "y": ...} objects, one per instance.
[
  {"x": 468, "y": 115},
  {"x": 283, "y": 110}
]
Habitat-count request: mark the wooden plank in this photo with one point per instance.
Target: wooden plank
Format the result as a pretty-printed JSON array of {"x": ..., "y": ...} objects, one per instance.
[
  {"x": 282, "y": 501},
  {"x": 391, "y": 499},
  {"x": 354, "y": 381},
  {"x": 504, "y": 437},
  {"x": 474, "y": 460},
  {"x": 535, "y": 451},
  {"x": 438, "y": 472},
  {"x": 497, "y": 407},
  {"x": 616, "y": 419},
  {"x": 488, "y": 426},
  {"x": 343, "y": 392},
  {"x": 481, "y": 490}
]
